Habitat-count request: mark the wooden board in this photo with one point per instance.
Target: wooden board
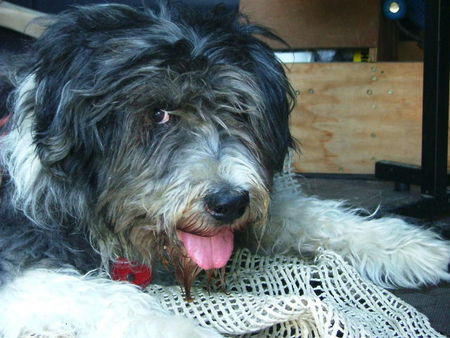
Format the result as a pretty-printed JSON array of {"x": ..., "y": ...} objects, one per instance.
[
  {"x": 409, "y": 51},
  {"x": 20, "y": 19},
  {"x": 350, "y": 115},
  {"x": 319, "y": 23}
]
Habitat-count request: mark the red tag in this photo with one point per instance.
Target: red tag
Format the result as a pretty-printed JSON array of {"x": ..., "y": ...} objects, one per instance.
[
  {"x": 4, "y": 121},
  {"x": 134, "y": 273}
]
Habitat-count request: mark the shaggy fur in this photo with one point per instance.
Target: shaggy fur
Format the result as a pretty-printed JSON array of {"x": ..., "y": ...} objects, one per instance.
[{"x": 130, "y": 127}]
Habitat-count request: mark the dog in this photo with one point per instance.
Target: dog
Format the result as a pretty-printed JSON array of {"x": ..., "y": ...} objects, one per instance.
[{"x": 155, "y": 136}]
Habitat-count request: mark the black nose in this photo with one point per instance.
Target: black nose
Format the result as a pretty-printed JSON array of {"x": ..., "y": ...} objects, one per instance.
[{"x": 227, "y": 205}]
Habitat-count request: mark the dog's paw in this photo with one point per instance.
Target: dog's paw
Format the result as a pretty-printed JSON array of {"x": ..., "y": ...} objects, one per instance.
[
  {"x": 170, "y": 327},
  {"x": 406, "y": 256},
  {"x": 57, "y": 304},
  {"x": 138, "y": 327}
]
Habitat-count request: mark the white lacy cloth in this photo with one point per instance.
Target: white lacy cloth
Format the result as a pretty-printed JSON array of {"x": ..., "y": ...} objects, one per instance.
[{"x": 282, "y": 296}]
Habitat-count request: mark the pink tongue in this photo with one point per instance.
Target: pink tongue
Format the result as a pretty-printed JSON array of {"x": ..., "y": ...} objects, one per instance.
[{"x": 209, "y": 252}]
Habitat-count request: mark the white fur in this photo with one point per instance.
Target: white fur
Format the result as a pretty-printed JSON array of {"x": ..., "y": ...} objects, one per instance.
[
  {"x": 387, "y": 251},
  {"x": 46, "y": 303},
  {"x": 18, "y": 150}
]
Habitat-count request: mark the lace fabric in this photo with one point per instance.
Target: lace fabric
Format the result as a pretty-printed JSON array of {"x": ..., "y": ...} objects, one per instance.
[{"x": 281, "y": 296}]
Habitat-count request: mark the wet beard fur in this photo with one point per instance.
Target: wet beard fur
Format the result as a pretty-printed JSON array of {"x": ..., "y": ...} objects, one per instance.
[
  {"x": 173, "y": 256},
  {"x": 186, "y": 270}
]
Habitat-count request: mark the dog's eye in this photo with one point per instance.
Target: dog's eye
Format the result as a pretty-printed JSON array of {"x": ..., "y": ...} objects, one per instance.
[{"x": 160, "y": 116}]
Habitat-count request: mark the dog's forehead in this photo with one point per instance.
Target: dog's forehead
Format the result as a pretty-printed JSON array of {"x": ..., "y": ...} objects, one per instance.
[
  {"x": 124, "y": 56},
  {"x": 176, "y": 73},
  {"x": 175, "y": 44}
]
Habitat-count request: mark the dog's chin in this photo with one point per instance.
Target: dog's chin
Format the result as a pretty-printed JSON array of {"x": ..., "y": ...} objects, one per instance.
[{"x": 190, "y": 248}]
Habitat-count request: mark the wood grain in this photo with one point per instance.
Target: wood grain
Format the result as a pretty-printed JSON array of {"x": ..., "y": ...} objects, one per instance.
[
  {"x": 350, "y": 115},
  {"x": 318, "y": 23}
]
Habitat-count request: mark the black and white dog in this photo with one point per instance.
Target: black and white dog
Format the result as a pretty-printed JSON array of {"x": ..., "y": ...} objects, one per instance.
[{"x": 155, "y": 136}]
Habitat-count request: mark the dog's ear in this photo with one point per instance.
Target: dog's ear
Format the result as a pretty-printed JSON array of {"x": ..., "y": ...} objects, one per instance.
[
  {"x": 277, "y": 94},
  {"x": 65, "y": 67}
]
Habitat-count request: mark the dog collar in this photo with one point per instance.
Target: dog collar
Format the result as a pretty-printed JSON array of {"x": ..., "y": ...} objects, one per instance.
[{"x": 138, "y": 274}]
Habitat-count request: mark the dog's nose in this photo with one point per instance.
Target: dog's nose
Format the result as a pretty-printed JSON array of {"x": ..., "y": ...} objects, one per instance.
[{"x": 227, "y": 205}]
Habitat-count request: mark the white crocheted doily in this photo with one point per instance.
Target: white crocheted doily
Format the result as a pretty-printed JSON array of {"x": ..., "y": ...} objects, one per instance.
[{"x": 281, "y": 296}]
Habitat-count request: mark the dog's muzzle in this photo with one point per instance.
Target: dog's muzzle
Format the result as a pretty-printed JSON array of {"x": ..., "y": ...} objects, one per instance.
[{"x": 213, "y": 250}]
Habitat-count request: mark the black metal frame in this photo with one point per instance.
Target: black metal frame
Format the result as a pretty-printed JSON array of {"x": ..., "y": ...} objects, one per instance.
[{"x": 432, "y": 175}]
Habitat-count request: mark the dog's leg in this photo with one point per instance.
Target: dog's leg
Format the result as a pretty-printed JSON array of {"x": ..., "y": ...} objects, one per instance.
[
  {"x": 388, "y": 251},
  {"x": 60, "y": 304}
]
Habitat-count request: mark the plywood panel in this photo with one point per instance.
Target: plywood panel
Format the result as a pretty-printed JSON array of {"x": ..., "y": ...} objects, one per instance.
[
  {"x": 318, "y": 23},
  {"x": 350, "y": 115},
  {"x": 20, "y": 19}
]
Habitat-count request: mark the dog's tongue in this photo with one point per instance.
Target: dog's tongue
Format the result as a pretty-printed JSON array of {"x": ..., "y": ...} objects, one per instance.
[{"x": 209, "y": 252}]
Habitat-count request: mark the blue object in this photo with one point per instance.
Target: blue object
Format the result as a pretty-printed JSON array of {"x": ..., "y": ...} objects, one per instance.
[{"x": 394, "y": 9}]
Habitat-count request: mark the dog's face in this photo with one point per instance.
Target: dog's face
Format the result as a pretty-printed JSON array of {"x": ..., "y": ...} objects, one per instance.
[{"x": 163, "y": 130}]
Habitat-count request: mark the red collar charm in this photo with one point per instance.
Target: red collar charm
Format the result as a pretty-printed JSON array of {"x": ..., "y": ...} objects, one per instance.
[
  {"x": 4, "y": 121},
  {"x": 138, "y": 274}
]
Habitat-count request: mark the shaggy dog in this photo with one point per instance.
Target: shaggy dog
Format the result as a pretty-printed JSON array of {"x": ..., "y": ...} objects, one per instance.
[{"x": 155, "y": 136}]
